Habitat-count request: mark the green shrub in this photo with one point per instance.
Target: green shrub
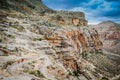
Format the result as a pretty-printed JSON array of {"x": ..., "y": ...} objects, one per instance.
[
  {"x": 4, "y": 47},
  {"x": 84, "y": 55},
  {"x": 0, "y": 40},
  {"x": 104, "y": 78},
  {"x": 69, "y": 72},
  {"x": 19, "y": 28},
  {"x": 35, "y": 73},
  {"x": 11, "y": 36},
  {"x": 14, "y": 27},
  {"x": 37, "y": 39},
  {"x": 99, "y": 52},
  {"x": 75, "y": 73},
  {"x": 10, "y": 62},
  {"x": 7, "y": 64}
]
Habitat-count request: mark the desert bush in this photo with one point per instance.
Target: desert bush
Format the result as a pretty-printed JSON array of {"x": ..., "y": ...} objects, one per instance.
[
  {"x": 75, "y": 73},
  {"x": 36, "y": 73},
  {"x": 7, "y": 64},
  {"x": 37, "y": 39},
  {"x": 84, "y": 54},
  {"x": 19, "y": 28},
  {"x": 11, "y": 36},
  {"x": 104, "y": 78}
]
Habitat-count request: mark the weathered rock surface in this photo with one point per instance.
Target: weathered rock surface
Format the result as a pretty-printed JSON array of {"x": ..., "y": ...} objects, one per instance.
[
  {"x": 110, "y": 36},
  {"x": 37, "y": 43}
]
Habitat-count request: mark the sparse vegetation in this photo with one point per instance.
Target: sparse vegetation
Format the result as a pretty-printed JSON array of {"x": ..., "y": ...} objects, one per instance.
[
  {"x": 7, "y": 64},
  {"x": 104, "y": 78},
  {"x": 37, "y": 39},
  {"x": 84, "y": 54},
  {"x": 16, "y": 23},
  {"x": 11, "y": 36},
  {"x": 8, "y": 35},
  {"x": 4, "y": 47},
  {"x": 99, "y": 52},
  {"x": 25, "y": 22},
  {"x": 96, "y": 52},
  {"x": 48, "y": 24},
  {"x": 5, "y": 54},
  {"x": 3, "y": 30},
  {"x": 19, "y": 28},
  {"x": 0, "y": 40},
  {"x": 35, "y": 73},
  {"x": 75, "y": 73},
  {"x": 69, "y": 72}
]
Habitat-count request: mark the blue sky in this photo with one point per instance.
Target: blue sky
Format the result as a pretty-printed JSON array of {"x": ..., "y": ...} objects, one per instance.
[{"x": 96, "y": 10}]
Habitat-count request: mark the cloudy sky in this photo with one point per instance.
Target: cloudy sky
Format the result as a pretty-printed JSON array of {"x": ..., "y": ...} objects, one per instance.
[{"x": 96, "y": 10}]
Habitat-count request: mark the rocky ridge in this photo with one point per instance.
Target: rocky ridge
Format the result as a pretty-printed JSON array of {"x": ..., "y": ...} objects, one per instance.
[{"x": 110, "y": 35}]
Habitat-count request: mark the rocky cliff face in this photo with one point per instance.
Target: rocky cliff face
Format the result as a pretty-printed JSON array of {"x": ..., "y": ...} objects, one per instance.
[
  {"x": 110, "y": 36},
  {"x": 37, "y": 8},
  {"x": 24, "y": 6},
  {"x": 43, "y": 44}
]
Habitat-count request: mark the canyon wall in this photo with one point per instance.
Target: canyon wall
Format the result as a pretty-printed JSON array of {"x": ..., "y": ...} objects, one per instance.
[{"x": 38, "y": 43}]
